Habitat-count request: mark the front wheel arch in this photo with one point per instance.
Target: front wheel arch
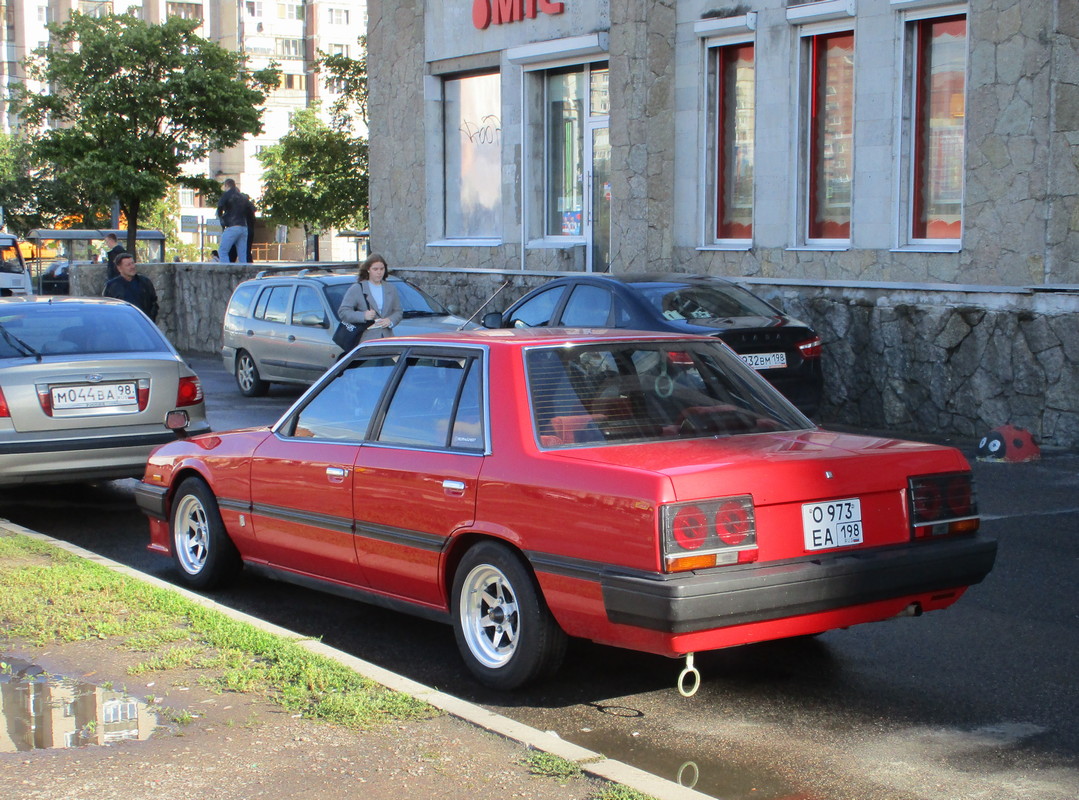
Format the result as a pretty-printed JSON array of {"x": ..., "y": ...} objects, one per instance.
[{"x": 204, "y": 555}]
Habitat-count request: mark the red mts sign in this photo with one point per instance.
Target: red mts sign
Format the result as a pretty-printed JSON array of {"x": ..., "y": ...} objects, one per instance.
[{"x": 501, "y": 12}]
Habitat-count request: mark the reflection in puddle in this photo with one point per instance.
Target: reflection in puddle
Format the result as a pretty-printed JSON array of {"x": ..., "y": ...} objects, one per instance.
[{"x": 40, "y": 711}]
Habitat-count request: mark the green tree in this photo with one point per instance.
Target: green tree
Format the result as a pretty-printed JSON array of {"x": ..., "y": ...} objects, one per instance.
[
  {"x": 32, "y": 198},
  {"x": 315, "y": 176},
  {"x": 348, "y": 78},
  {"x": 128, "y": 104}
]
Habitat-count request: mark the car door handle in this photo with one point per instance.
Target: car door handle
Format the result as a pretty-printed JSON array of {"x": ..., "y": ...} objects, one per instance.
[
  {"x": 250, "y": 333},
  {"x": 336, "y": 474},
  {"x": 453, "y": 487},
  {"x": 291, "y": 338}
]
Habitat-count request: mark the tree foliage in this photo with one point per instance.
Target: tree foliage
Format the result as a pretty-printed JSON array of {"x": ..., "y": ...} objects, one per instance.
[
  {"x": 127, "y": 104},
  {"x": 348, "y": 78},
  {"x": 315, "y": 176}
]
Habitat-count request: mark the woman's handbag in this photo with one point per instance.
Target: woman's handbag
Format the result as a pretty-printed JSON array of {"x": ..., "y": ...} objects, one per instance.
[{"x": 348, "y": 334}]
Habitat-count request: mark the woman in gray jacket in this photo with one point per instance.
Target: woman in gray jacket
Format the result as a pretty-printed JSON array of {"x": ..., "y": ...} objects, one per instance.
[{"x": 372, "y": 299}]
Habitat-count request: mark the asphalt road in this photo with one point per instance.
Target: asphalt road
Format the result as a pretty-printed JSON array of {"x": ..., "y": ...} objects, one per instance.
[{"x": 979, "y": 701}]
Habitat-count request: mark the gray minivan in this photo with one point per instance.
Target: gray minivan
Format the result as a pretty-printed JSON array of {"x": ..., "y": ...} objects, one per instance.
[{"x": 278, "y": 326}]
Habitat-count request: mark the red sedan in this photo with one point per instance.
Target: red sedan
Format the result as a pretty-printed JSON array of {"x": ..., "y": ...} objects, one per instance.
[{"x": 647, "y": 491}]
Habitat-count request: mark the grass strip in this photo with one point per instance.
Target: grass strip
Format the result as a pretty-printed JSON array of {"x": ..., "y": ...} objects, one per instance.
[{"x": 49, "y": 595}]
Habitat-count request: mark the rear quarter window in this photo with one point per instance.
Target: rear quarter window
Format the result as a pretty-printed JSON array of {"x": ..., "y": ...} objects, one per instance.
[{"x": 240, "y": 303}]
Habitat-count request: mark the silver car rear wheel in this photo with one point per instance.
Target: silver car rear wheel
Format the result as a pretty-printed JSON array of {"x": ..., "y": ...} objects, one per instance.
[{"x": 248, "y": 379}]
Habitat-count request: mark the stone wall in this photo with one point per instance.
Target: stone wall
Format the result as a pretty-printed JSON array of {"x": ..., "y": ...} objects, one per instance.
[{"x": 936, "y": 360}]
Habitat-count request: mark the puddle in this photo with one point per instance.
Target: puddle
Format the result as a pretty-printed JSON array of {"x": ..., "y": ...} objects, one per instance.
[
  {"x": 41, "y": 711},
  {"x": 705, "y": 774}
]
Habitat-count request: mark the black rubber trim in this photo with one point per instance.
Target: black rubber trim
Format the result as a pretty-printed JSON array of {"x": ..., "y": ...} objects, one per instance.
[
  {"x": 758, "y": 593},
  {"x": 151, "y": 499}
]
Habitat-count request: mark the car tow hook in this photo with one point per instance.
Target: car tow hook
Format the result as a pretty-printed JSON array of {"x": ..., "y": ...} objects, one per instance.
[{"x": 689, "y": 679}]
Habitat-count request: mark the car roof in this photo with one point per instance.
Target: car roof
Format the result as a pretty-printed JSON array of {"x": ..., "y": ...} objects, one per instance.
[
  {"x": 649, "y": 277},
  {"x": 309, "y": 274},
  {"x": 51, "y": 299},
  {"x": 525, "y": 337}
]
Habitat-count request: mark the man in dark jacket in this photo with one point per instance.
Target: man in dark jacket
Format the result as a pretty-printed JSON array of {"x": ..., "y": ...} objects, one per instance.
[
  {"x": 132, "y": 287},
  {"x": 232, "y": 211},
  {"x": 114, "y": 250}
]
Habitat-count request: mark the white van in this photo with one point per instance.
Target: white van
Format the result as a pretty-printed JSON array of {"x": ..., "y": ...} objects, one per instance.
[{"x": 14, "y": 277}]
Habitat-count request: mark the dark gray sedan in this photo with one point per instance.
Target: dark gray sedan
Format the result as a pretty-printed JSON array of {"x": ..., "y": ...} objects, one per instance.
[{"x": 784, "y": 350}]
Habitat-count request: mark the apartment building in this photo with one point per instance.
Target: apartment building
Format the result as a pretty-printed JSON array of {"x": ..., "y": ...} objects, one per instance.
[{"x": 291, "y": 33}]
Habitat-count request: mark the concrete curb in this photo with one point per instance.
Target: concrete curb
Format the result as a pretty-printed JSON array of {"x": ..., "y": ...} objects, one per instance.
[{"x": 590, "y": 762}]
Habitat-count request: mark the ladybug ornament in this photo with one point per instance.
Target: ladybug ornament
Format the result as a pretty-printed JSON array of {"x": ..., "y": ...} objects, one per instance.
[{"x": 1008, "y": 443}]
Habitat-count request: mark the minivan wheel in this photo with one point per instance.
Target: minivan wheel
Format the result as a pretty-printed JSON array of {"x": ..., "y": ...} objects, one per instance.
[{"x": 248, "y": 379}]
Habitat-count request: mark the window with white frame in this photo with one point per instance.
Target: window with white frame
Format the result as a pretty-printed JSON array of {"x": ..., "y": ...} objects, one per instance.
[
  {"x": 337, "y": 16},
  {"x": 827, "y": 164},
  {"x": 96, "y": 8},
  {"x": 254, "y": 8},
  {"x": 731, "y": 125},
  {"x": 292, "y": 82},
  {"x": 184, "y": 10},
  {"x": 289, "y": 48},
  {"x": 472, "y": 141},
  {"x": 290, "y": 11},
  {"x": 937, "y": 138}
]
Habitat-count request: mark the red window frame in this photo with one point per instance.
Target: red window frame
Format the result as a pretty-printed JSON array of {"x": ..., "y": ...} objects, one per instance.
[
  {"x": 734, "y": 148},
  {"x": 831, "y": 118},
  {"x": 937, "y": 170}
]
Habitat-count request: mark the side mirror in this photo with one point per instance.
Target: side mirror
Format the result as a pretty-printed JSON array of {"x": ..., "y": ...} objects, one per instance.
[
  {"x": 177, "y": 422},
  {"x": 492, "y": 319}
]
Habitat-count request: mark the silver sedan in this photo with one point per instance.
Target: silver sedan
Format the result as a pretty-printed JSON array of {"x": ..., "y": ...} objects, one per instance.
[{"x": 85, "y": 386}]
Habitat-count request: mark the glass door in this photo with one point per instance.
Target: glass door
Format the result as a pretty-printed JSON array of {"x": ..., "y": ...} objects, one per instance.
[
  {"x": 598, "y": 160},
  {"x": 599, "y": 212}
]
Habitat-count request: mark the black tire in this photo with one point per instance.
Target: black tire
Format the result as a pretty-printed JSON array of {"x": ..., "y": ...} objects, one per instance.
[
  {"x": 505, "y": 632},
  {"x": 203, "y": 552},
  {"x": 248, "y": 380}
]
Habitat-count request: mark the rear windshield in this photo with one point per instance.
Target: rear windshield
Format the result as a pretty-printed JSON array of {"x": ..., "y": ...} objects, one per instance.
[
  {"x": 639, "y": 392},
  {"x": 75, "y": 329},
  {"x": 713, "y": 301}
]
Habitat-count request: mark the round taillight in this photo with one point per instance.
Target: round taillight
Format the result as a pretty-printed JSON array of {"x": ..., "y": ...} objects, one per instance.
[
  {"x": 732, "y": 523},
  {"x": 689, "y": 528},
  {"x": 189, "y": 392}
]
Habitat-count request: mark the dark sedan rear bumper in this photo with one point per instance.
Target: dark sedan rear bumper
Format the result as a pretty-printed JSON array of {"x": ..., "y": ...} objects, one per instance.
[{"x": 758, "y": 593}]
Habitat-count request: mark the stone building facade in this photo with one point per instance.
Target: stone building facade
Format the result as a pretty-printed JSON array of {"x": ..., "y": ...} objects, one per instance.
[{"x": 903, "y": 174}]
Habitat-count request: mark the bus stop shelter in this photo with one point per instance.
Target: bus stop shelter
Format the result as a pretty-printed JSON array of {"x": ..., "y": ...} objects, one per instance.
[{"x": 85, "y": 246}]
